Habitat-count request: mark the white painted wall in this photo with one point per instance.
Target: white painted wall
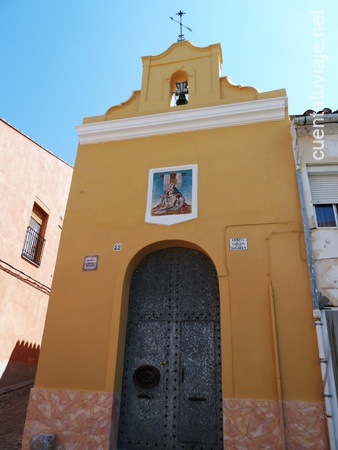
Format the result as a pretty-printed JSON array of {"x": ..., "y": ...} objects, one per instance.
[{"x": 324, "y": 240}]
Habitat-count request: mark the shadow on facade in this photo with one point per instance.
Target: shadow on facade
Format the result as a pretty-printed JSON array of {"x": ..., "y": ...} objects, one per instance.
[{"x": 22, "y": 364}]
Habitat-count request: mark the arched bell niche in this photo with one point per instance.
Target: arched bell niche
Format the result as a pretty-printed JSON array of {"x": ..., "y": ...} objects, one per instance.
[{"x": 179, "y": 88}]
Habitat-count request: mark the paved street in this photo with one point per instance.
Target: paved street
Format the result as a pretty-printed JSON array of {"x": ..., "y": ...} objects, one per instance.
[{"x": 13, "y": 407}]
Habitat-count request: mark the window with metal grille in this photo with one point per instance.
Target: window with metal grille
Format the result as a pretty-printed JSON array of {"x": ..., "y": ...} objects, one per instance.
[
  {"x": 34, "y": 239},
  {"x": 324, "y": 192}
]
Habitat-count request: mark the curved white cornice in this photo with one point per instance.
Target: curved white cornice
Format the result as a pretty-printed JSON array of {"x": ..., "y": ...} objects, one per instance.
[{"x": 184, "y": 120}]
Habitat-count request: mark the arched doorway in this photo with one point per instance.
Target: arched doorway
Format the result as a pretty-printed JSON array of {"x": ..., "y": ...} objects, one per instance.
[{"x": 171, "y": 394}]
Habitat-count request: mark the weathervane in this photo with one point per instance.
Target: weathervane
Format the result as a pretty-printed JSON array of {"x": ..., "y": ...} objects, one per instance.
[{"x": 181, "y": 35}]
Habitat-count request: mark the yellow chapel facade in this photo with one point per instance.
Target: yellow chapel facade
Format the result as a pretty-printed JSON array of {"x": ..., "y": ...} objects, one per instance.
[{"x": 181, "y": 314}]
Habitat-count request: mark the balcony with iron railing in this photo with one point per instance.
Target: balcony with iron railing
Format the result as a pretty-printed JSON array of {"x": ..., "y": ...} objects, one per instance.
[{"x": 33, "y": 246}]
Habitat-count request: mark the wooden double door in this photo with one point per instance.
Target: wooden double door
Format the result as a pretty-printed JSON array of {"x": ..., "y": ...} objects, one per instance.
[{"x": 171, "y": 395}]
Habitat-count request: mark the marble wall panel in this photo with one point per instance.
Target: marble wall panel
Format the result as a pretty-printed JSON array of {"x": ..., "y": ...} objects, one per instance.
[
  {"x": 80, "y": 420},
  {"x": 251, "y": 424},
  {"x": 272, "y": 425},
  {"x": 84, "y": 420},
  {"x": 305, "y": 426}
]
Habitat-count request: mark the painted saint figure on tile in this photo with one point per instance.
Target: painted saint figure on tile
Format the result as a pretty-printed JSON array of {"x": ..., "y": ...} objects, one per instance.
[{"x": 172, "y": 193}]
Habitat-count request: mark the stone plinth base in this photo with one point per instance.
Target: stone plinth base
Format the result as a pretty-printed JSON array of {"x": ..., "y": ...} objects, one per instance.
[
  {"x": 89, "y": 420},
  {"x": 268, "y": 424},
  {"x": 79, "y": 419}
]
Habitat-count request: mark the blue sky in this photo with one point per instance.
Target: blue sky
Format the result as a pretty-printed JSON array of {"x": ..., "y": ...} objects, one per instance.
[{"x": 62, "y": 60}]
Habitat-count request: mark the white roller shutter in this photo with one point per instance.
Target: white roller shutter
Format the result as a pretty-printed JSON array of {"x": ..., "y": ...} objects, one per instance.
[{"x": 324, "y": 188}]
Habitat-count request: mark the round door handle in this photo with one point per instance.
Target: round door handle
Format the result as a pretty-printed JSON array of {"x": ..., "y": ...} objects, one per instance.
[{"x": 146, "y": 376}]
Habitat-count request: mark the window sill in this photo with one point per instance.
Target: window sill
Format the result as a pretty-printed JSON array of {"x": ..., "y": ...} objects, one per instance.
[{"x": 30, "y": 261}]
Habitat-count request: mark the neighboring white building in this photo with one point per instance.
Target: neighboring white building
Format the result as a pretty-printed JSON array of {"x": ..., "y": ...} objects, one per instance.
[
  {"x": 34, "y": 187},
  {"x": 315, "y": 138}
]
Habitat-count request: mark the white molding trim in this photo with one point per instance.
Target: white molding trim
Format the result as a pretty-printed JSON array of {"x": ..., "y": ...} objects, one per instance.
[{"x": 184, "y": 120}]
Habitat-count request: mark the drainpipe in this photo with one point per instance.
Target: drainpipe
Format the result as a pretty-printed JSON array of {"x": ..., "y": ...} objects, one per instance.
[
  {"x": 277, "y": 366},
  {"x": 316, "y": 310}
]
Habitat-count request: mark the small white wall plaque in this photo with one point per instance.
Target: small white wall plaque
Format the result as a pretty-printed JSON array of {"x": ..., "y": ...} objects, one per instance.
[
  {"x": 117, "y": 247},
  {"x": 238, "y": 244},
  {"x": 90, "y": 262}
]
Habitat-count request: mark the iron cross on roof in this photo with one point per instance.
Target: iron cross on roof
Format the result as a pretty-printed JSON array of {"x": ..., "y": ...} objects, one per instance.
[{"x": 181, "y": 35}]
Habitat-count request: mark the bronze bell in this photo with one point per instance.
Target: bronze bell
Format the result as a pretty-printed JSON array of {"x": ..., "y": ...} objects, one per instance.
[{"x": 182, "y": 89}]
